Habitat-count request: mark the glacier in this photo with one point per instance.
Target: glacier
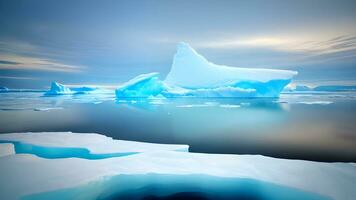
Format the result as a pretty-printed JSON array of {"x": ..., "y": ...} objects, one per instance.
[
  {"x": 191, "y": 75},
  {"x": 170, "y": 167}
]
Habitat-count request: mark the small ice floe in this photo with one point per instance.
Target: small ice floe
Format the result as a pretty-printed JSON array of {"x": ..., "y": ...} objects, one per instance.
[
  {"x": 316, "y": 102},
  {"x": 122, "y": 101},
  {"x": 230, "y": 106},
  {"x": 47, "y": 109},
  {"x": 194, "y": 105},
  {"x": 157, "y": 102}
]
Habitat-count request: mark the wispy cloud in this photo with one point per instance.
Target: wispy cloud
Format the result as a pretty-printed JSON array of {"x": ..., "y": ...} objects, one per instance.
[
  {"x": 22, "y": 55},
  {"x": 314, "y": 46},
  {"x": 18, "y": 78},
  {"x": 12, "y": 61}
]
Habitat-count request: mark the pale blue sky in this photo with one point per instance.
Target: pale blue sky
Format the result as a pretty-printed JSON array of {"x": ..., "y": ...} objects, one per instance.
[{"x": 108, "y": 42}]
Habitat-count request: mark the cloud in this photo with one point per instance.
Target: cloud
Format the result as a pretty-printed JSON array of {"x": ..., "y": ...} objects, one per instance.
[
  {"x": 290, "y": 44},
  {"x": 22, "y": 55},
  {"x": 12, "y": 61},
  {"x": 18, "y": 78}
]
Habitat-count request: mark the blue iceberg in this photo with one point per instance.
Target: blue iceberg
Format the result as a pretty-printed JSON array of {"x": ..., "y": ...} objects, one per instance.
[
  {"x": 144, "y": 85},
  {"x": 191, "y": 75},
  {"x": 59, "y": 89}
]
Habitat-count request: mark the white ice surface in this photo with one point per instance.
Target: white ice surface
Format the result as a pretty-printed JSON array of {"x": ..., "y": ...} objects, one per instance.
[
  {"x": 192, "y": 70},
  {"x": 95, "y": 143},
  {"x": 24, "y": 174},
  {"x": 6, "y": 149}
]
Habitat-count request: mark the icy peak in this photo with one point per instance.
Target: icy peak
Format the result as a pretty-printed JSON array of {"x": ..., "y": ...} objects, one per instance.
[
  {"x": 57, "y": 89},
  {"x": 192, "y": 70},
  {"x": 186, "y": 50}
]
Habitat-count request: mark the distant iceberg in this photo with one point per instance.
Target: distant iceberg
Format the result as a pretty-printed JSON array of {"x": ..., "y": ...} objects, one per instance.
[
  {"x": 192, "y": 75},
  {"x": 335, "y": 88},
  {"x": 59, "y": 89},
  {"x": 322, "y": 88}
]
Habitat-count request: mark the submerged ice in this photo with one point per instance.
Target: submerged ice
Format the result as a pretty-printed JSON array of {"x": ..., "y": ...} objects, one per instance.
[{"x": 192, "y": 75}]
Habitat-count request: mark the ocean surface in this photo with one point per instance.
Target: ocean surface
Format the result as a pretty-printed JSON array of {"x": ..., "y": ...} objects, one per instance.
[{"x": 319, "y": 126}]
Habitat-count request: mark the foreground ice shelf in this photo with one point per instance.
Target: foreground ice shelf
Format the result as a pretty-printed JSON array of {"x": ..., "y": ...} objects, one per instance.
[{"x": 170, "y": 167}]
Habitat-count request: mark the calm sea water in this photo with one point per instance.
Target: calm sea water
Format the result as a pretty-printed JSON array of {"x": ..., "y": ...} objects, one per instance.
[{"x": 311, "y": 126}]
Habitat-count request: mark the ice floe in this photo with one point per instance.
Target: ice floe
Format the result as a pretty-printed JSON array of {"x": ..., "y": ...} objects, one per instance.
[{"x": 27, "y": 176}]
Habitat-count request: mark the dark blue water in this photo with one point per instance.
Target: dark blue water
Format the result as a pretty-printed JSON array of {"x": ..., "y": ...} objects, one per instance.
[
  {"x": 319, "y": 126},
  {"x": 175, "y": 187}
]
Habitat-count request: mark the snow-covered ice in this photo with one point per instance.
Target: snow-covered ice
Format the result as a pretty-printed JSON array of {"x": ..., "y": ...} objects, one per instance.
[
  {"x": 192, "y": 70},
  {"x": 74, "y": 178},
  {"x": 6, "y": 149},
  {"x": 95, "y": 143},
  {"x": 192, "y": 75}
]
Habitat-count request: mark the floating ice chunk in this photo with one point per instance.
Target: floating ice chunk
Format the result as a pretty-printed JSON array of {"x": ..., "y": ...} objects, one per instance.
[
  {"x": 58, "y": 89},
  {"x": 316, "y": 102},
  {"x": 6, "y": 149},
  {"x": 195, "y": 105},
  {"x": 230, "y": 106},
  {"x": 83, "y": 90},
  {"x": 47, "y": 109},
  {"x": 145, "y": 85}
]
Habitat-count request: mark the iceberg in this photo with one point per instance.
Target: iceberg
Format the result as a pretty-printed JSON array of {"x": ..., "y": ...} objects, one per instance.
[
  {"x": 58, "y": 89},
  {"x": 24, "y": 175},
  {"x": 322, "y": 88},
  {"x": 335, "y": 88},
  {"x": 191, "y": 75},
  {"x": 145, "y": 85}
]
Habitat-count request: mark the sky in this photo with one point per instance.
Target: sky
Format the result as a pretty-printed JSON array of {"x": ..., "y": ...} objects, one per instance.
[{"x": 85, "y": 42}]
